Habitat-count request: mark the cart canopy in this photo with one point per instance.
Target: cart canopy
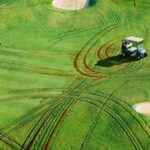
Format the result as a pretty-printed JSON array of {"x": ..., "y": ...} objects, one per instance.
[{"x": 134, "y": 39}]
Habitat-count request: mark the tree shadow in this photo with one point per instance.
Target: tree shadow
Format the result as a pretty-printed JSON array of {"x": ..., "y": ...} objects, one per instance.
[
  {"x": 113, "y": 61},
  {"x": 92, "y": 3}
]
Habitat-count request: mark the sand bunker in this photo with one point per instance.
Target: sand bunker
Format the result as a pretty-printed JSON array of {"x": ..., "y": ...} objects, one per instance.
[
  {"x": 70, "y": 4},
  {"x": 143, "y": 108}
]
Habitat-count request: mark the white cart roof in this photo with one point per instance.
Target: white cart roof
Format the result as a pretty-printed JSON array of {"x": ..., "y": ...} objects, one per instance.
[{"x": 135, "y": 39}]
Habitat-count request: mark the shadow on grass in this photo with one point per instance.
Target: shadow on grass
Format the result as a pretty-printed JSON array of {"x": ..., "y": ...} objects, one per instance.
[
  {"x": 92, "y": 3},
  {"x": 2, "y": 2},
  {"x": 113, "y": 61}
]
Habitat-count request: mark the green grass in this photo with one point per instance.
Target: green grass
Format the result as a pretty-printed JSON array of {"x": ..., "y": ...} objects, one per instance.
[{"x": 54, "y": 96}]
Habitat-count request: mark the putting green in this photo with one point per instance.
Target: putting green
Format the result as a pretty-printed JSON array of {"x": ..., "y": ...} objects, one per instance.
[{"x": 63, "y": 84}]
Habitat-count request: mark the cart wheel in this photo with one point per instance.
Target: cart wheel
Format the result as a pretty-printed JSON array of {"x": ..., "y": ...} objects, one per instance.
[
  {"x": 123, "y": 54},
  {"x": 145, "y": 54},
  {"x": 137, "y": 57}
]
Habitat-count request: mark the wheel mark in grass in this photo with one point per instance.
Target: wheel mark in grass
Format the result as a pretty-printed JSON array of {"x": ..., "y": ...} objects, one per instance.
[
  {"x": 129, "y": 67},
  {"x": 107, "y": 56},
  {"x": 138, "y": 64},
  {"x": 98, "y": 73},
  {"x": 48, "y": 143},
  {"x": 46, "y": 125},
  {"x": 9, "y": 141},
  {"x": 40, "y": 125},
  {"x": 47, "y": 130},
  {"x": 75, "y": 63},
  {"x": 139, "y": 120},
  {"x": 79, "y": 53},
  {"x": 57, "y": 126},
  {"x": 36, "y": 96},
  {"x": 99, "y": 52},
  {"x": 50, "y": 140},
  {"x": 33, "y": 117},
  {"x": 59, "y": 111},
  {"x": 132, "y": 66},
  {"x": 60, "y": 38},
  {"x": 121, "y": 122},
  {"x": 94, "y": 123},
  {"x": 126, "y": 68},
  {"x": 32, "y": 69},
  {"x": 127, "y": 109},
  {"x": 43, "y": 106},
  {"x": 28, "y": 93},
  {"x": 107, "y": 51},
  {"x": 74, "y": 31},
  {"x": 88, "y": 67},
  {"x": 101, "y": 19},
  {"x": 116, "y": 19},
  {"x": 62, "y": 116},
  {"x": 98, "y": 24},
  {"x": 23, "y": 122},
  {"x": 62, "y": 100},
  {"x": 35, "y": 131},
  {"x": 98, "y": 116}
]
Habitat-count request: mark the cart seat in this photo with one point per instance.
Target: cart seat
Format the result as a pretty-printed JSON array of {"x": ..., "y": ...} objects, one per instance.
[{"x": 132, "y": 49}]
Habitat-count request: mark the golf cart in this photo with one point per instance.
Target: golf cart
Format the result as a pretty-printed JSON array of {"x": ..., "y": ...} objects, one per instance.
[{"x": 133, "y": 47}]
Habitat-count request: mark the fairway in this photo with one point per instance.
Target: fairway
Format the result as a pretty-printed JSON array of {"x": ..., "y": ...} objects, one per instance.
[{"x": 63, "y": 83}]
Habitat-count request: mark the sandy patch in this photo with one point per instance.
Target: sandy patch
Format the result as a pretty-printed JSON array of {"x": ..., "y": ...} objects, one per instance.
[
  {"x": 143, "y": 108},
  {"x": 70, "y": 4}
]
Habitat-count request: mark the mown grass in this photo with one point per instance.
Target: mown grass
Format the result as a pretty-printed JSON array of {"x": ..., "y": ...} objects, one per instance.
[{"x": 38, "y": 47}]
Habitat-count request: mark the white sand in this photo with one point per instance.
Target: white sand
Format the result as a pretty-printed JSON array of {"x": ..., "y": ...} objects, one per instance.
[
  {"x": 143, "y": 108},
  {"x": 70, "y": 4}
]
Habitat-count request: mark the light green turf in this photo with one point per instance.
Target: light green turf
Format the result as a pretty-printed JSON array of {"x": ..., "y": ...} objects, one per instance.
[{"x": 38, "y": 45}]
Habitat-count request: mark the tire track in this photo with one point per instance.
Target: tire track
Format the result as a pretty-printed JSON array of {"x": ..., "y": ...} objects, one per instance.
[
  {"x": 37, "y": 130},
  {"x": 56, "y": 110},
  {"x": 24, "y": 67},
  {"x": 48, "y": 132},
  {"x": 127, "y": 109},
  {"x": 120, "y": 121},
  {"x": 51, "y": 138},
  {"x": 95, "y": 122},
  {"x": 99, "y": 115},
  {"x": 79, "y": 53},
  {"x": 128, "y": 68},
  {"x": 29, "y": 115},
  {"x": 9, "y": 141},
  {"x": 29, "y": 93},
  {"x": 99, "y": 52},
  {"x": 107, "y": 51}
]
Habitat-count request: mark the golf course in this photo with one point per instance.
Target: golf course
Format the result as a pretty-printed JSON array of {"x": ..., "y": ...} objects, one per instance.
[{"x": 64, "y": 84}]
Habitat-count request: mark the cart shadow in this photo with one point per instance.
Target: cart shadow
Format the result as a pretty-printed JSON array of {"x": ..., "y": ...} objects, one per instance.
[{"x": 113, "y": 61}]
